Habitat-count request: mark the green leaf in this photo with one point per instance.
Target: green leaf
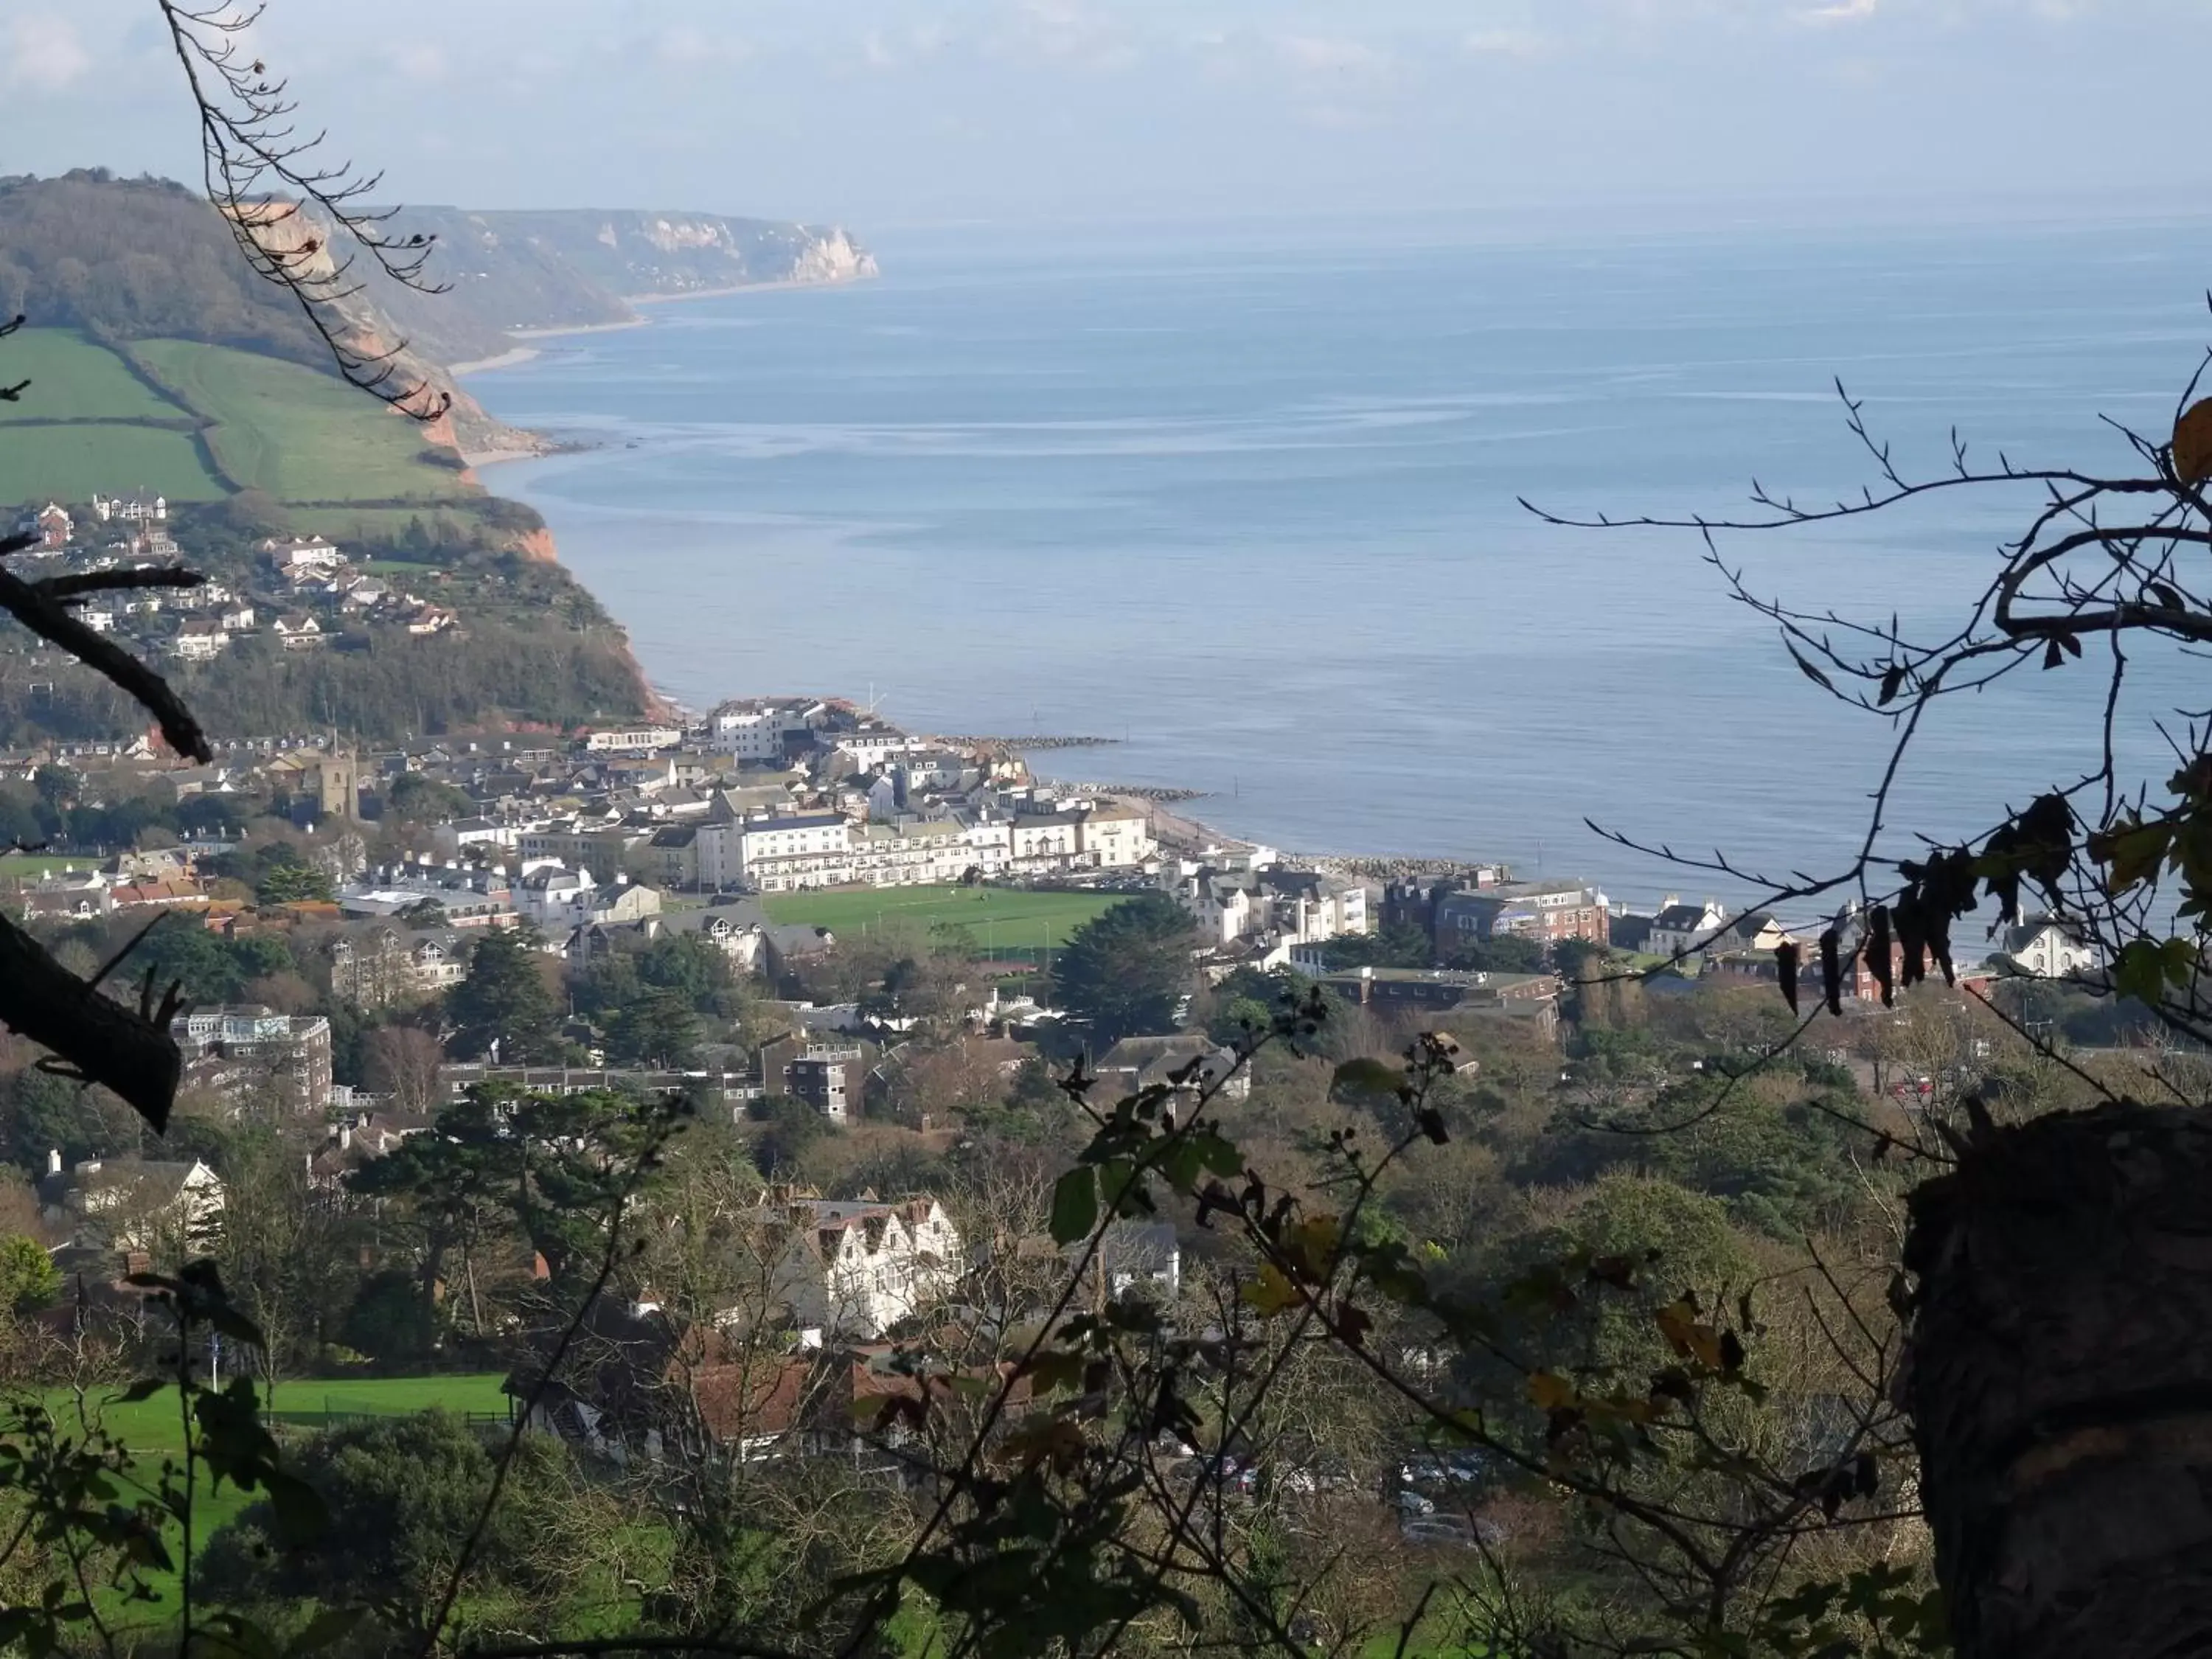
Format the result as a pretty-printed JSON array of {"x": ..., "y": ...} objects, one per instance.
[
  {"x": 299, "y": 1513},
  {"x": 2148, "y": 966},
  {"x": 1271, "y": 1292},
  {"x": 1074, "y": 1205}
]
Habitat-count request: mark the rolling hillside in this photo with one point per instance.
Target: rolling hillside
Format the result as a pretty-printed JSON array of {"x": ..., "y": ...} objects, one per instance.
[
  {"x": 200, "y": 423},
  {"x": 157, "y": 363}
]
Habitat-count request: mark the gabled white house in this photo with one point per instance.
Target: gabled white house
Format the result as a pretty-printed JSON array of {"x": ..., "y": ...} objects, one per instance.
[{"x": 857, "y": 1268}]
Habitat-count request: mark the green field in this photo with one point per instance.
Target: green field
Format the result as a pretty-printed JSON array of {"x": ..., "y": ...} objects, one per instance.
[
  {"x": 74, "y": 379},
  {"x": 295, "y": 434},
  {"x": 151, "y": 1429},
  {"x": 70, "y": 462},
  {"x": 151, "y": 1425},
  {"x": 27, "y": 865},
  {"x": 1001, "y": 922}
]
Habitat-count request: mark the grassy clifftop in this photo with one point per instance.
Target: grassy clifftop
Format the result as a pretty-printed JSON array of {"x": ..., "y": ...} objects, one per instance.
[
  {"x": 200, "y": 423},
  {"x": 157, "y": 363}
]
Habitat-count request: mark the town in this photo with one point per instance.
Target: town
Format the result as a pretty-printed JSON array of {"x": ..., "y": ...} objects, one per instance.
[{"x": 872, "y": 964}]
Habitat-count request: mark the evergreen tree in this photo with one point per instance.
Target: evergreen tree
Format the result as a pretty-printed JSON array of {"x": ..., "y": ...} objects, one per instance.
[
  {"x": 505, "y": 1000},
  {"x": 1128, "y": 971}
]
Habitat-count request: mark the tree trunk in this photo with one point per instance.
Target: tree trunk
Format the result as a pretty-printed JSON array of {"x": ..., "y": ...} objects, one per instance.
[{"x": 2061, "y": 1385}]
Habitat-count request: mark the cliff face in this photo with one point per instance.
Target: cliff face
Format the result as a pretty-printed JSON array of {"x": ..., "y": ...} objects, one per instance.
[
  {"x": 372, "y": 331},
  {"x": 587, "y": 267}
]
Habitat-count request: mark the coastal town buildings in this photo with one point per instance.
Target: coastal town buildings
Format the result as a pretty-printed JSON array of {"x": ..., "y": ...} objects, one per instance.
[{"x": 251, "y": 1055}]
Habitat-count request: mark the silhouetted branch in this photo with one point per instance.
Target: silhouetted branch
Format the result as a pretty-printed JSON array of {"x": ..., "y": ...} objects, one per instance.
[{"x": 286, "y": 209}]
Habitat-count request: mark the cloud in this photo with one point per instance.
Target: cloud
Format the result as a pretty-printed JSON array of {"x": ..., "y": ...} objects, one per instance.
[
  {"x": 1507, "y": 43},
  {"x": 420, "y": 61},
  {"x": 1842, "y": 11},
  {"x": 1319, "y": 55},
  {"x": 43, "y": 54},
  {"x": 686, "y": 48},
  {"x": 1066, "y": 31}
]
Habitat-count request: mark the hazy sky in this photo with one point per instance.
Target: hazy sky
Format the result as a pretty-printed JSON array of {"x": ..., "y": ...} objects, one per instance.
[{"x": 890, "y": 112}]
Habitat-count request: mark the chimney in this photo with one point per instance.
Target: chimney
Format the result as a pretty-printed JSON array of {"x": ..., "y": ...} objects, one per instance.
[{"x": 54, "y": 1161}]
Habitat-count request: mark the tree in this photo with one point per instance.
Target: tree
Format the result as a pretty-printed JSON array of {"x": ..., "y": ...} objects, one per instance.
[
  {"x": 505, "y": 1003},
  {"x": 288, "y": 878},
  {"x": 690, "y": 965},
  {"x": 403, "y": 1062},
  {"x": 28, "y": 1278},
  {"x": 57, "y": 786},
  {"x": 1389, "y": 947},
  {"x": 415, "y": 799},
  {"x": 1128, "y": 971},
  {"x": 783, "y": 1128},
  {"x": 1502, "y": 953},
  {"x": 2041, "y": 1294},
  {"x": 411, "y": 1490},
  {"x": 657, "y": 1028}
]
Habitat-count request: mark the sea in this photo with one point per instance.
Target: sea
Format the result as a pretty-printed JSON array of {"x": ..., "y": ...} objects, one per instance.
[{"x": 1248, "y": 500}]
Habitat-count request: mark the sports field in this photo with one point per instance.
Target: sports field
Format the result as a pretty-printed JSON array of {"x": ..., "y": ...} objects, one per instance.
[
  {"x": 1001, "y": 922},
  {"x": 295, "y": 434}
]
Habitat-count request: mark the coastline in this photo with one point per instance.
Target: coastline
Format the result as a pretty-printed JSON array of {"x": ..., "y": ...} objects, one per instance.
[
  {"x": 519, "y": 354},
  {"x": 483, "y": 365},
  {"x": 774, "y": 284},
  {"x": 523, "y": 354}
]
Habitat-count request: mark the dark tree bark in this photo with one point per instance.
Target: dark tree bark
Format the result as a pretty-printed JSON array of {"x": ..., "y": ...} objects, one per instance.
[{"x": 2061, "y": 1385}]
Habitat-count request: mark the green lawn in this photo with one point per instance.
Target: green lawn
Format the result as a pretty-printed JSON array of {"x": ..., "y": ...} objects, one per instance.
[
  {"x": 1001, "y": 922},
  {"x": 151, "y": 1425},
  {"x": 27, "y": 865},
  {"x": 298, "y": 434},
  {"x": 74, "y": 379},
  {"x": 70, "y": 462},
  {"x": 151, "y": 1429}
]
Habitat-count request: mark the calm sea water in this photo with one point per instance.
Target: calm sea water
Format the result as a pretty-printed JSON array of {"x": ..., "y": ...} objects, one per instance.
[{"x": 1251, "y": 507}]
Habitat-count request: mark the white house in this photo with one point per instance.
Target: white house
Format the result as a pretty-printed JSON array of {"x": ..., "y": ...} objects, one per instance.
[
  {"x": 298, "y": 632},
  {"x": 1679, "y": 929},
  {"x": 632, "y": 740},
  {"x": 557, "y": 899},
  {"x": 198, "y": 642},
  {"x": 873, "y": 744},
  {"x": 990, "y": 843},
  {"x": 755, "y": 731},
  {"x": 858, "y": 1268},
  {"x": 780, "y": 854},
  {"x": 136, "y": 508},
  {"x": 138, "y": 1204},
  {"x": 2045, "y": 947},
  {"x": 301, "y": 559},
  {"x": 1117, "y": 838}
]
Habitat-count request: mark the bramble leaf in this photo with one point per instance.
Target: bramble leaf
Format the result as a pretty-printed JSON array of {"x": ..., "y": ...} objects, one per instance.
[{"x": 1074, "y": 1205}]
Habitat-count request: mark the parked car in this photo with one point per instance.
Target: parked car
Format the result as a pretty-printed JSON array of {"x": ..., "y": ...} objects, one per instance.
[{"x": 1458, "y": 1469}]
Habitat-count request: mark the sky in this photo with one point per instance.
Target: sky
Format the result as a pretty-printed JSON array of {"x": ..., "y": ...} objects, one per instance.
[{"x": 917, "y": 112}]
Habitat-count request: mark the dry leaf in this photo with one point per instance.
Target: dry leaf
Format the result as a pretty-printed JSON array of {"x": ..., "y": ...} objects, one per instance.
[{"x": 2192, "y": 443}]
